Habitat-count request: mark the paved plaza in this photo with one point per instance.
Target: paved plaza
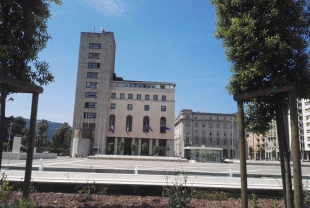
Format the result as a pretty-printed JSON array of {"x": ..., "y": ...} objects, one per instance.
[{"x": 83, "y": 170}]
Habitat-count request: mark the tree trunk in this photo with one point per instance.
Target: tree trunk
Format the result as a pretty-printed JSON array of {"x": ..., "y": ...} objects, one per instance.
[
  {"x": 284, "y": 155},
  {"x": 2, "y": 124}
]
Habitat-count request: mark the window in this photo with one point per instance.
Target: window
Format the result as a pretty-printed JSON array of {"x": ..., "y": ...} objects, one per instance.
[
  {"x": 210, "y": 133},
  {"x": 217, "y": 118},
  {"x": 196, "y": 124},
  {"x": 138, "y": 96},
  {"x": 163, "y": 125},
  {"x": 146, "y": 123},
  {"x": 147, "y": 97},
  {"x": 93, "y": 65},
  {"x": 224, "y": 126},
  {"x": 203, "y": 125},
  {"x": 196, "y": 132},
  {"x": 90, "y": 126},
  {"x": 90, "y": 105},
  {"x": 225, "y": 133},
  {"x": 95, "y": 45},
  {"x": 155, "y": 97},
  {"x": 122, "y": 96},
  {"x": 129, "y": 107},
  {"x": 94, "y": 55},
  {"x": 89, "y": 115},
  {"x": 224, "y": 142},
  {"x": 187, "y": 124},
  {"x": 112, "y": 123},
  {"x": 130, "y": 96},
  {"x": 146, "y": 107},
  {"x": 113, "y": 95},
  {"x": 91, "y": 84},
  {"x": 217, "y": 133},
  {"x": 92, "y": 75},
  {"x": 210, "y": 118},
  {"x": 217, "y": 126},
  {"x": 203, "y": 132},
  {"x": 112, "y": 106},
  {"x": 91, "y": 94},
  {"x": 210, "y": 125},
  {"x": 163, "y": 108},
  {"x": 224, "y": 118},
  {"x": 128, "y": 123}
]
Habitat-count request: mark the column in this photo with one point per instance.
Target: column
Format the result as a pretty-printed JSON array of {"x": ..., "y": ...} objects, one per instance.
[
  {"x": 150, "y": 147},
  {"x": 139, "y": 147},
  {"x": 156, "y": 142},
  {"x": 133, "y": 141},
  {"x": 115, "y": 145},
  {"x": 122, "y": 152}
]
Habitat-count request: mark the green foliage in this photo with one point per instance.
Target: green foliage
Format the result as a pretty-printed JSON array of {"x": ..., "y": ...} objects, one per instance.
[
  {"x": 145, "y": 148},
  {"x": 18, "y": 126},
  {"x": 156, "y": 150},
  {"x": 121, "y": 145},
  {"x": 213, "y": 196},
  {"x": 275, "y": 205},
  {"x": 251, "y": 151},
  {"x": 254, "y": 201},
  {"x": 24, "y": 203},
  {"x": 62, "y": 137},
  {"x": 42, "y": 127},
  {"x": 133, "y": 148},
  {"x": 84, "y": 192},
  {"x": 110, "y": 147},
  {"x": 262, "y": 153},
  {"x": 5, "y": 190}
]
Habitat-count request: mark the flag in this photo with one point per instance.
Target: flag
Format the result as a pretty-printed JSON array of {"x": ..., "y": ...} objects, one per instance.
[
  {"x": 148, "y": 127},
  {"x": 166, "y": 128},
  {"x": 112, "y": 129},
  {"x": 127, "y": 129}
]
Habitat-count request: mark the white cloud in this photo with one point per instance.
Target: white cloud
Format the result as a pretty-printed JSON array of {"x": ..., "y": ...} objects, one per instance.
[{"x": 112, "y": 8}]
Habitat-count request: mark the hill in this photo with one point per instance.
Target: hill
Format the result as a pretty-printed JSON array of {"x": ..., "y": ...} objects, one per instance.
[{"x": 52, "y": 127}]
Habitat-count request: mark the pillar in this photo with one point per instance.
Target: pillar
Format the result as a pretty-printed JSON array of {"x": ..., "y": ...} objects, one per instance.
[
  {"x": 150, "y": 147},
  {"x": 139, "y": 147},
  {"x": 133, "y": 141},
  {"x": 122, "y": 152},
  {"x": 115, "y": 145}
]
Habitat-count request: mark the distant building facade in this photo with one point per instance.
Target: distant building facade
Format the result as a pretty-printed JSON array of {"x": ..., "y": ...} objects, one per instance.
[
  {"x": 206, "y": 137},
  {"x": 116, "y": 116}
]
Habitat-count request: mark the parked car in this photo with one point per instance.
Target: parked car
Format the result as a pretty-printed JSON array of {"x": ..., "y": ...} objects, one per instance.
[
  {"x": 46, "y": 152},
  {"x": 61, "y": 154},
  {"x": 222, "y": 160}
]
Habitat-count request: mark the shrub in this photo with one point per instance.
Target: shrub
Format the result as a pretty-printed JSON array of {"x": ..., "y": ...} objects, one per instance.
[
  {"x": 24, "y": 203},
  {"x": 213, "y": 196}
]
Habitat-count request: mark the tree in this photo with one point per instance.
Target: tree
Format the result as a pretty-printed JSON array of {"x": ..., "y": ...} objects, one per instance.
[
  {"x": 133, "y": 148},
  {"x": 62, "y": 138},
  {"x": 18, "y": 125},
  {"x": 110, "y": 147},
  {"x": 156, "y": 150},
  {"x": 145, "y": 148},
  {"x": 267, "y": 44},
  {"x": 251, "y": 152},
  {"x": 121, "y": 145},
  {"x": 42, "y": 127},
  {"x": 262, "y": 153}
]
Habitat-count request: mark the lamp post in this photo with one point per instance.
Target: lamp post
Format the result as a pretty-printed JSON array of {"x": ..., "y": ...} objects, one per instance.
[
  {"x": 232, "y": 138},
  {"x": 8, "y": 147}
]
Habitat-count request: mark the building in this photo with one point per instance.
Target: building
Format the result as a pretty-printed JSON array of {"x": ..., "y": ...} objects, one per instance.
[
  {"x": 116, "y": 116},
  {"x": 205, "y": 137},
  {"x": 267, "y": 142}
]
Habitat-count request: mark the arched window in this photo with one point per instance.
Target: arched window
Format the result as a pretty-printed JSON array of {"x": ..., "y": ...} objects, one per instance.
[
  {"x": 128, "y": 124},
  {"x": 146, "y": 123},
  {"x": 112, "y": 123},
  {"x": 162, "y": 125}
]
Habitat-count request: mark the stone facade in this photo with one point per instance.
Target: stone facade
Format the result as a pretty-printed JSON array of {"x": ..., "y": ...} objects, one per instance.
[{"x": 119, "y": 111}]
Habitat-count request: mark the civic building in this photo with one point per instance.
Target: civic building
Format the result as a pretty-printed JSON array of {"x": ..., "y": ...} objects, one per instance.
[
  {"x": 205, "y": 137},
  {"x": 117, "y": 116}
]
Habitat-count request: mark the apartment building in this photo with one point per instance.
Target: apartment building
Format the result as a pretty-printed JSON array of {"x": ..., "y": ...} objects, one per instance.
[
  {"x": 205, "y": 137},
  {"x": 110, "y": 111}
]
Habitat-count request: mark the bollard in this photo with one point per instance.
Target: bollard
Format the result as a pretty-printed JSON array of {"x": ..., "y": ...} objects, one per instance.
[
  {"x": 230, "y": 173},
  {"x": 136, "y": 170},
  {"x": 41, "y": 165}
]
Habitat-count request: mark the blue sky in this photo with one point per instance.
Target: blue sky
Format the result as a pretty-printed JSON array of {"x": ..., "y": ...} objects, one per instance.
[{"x": 156, "y": 40}]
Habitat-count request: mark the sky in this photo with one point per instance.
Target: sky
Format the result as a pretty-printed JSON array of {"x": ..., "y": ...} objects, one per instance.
[{"x": 156, "y": 40}]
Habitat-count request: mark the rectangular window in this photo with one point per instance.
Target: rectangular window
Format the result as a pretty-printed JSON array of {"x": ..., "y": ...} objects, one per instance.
[
  {"x": 138, "y": 96},
  {"x": 147, "y": 97},
  {"x": 112, "y": 106},
  {"x": 94, "y": 55},
  {"x": 91, "y": 94},
  {"x": 203, "y": 132},
  {"x": 196, "y": 124},
  {"x": 129, "y": 107},
  {"x": 196, "y": 132},
  {"x": 146, "y": 107},
  {"x": 217, "y": 133},
  {"x": 95, "y": 45},
  {"x": 92, "y": 75},
  {"x": 217, "y": 126},
  {"x": 113, "y": 95},
  {"x": 122, "y": 96},
  {"x": 225, "y": 133},
  {"x": 224, "y": 126},
  {"x": 91, "y": 84},
  {"x": 130, "y": 96},
  {"x": 163, "y": 108},
  {"x": 163, "y": 97},
  {"x": 210, "y": 125},
  {"x": 90, "y": 105},
  {"x": 155, "y": 97},
  {"x": 93, "y": 65},
  {"x": 90, "y": 126},
  {"x": 89, "y": 115}
]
